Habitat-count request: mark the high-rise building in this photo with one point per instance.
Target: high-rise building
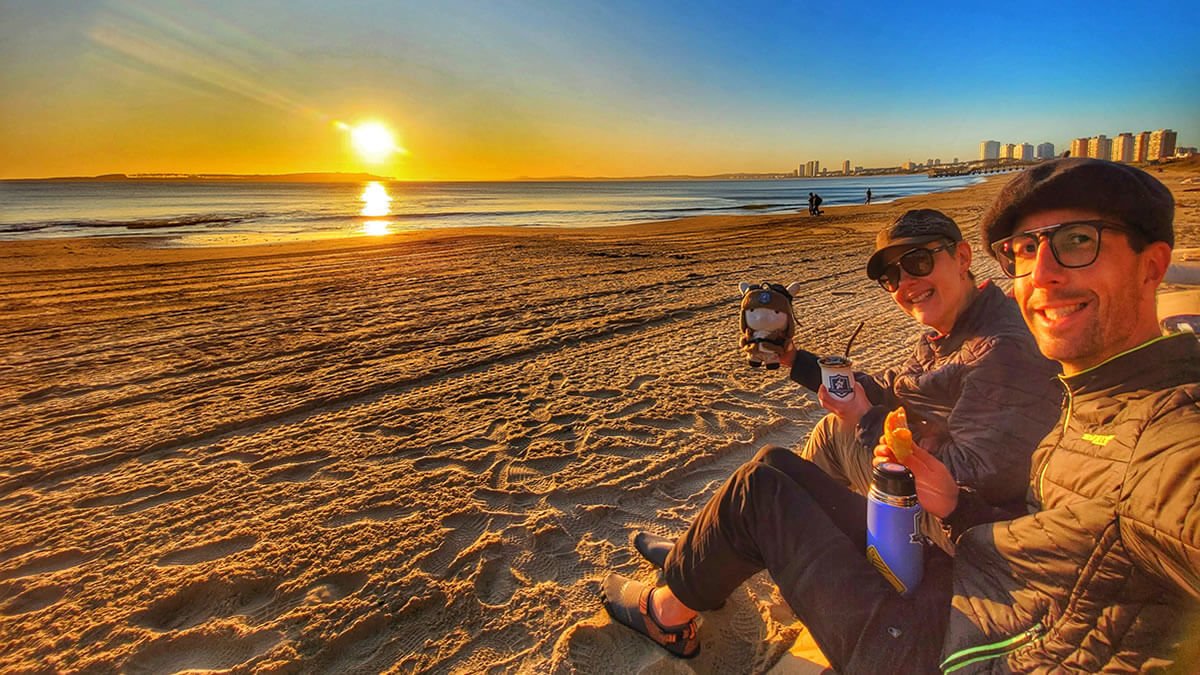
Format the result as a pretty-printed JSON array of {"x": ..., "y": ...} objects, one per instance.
[
  {"x": 1045, "y": 151},
  {"x": 1099, "y": 147},
  {"x": 1122, "y": 148},
  {"x": 989, "y": 150},
  {"x": 1024, "y": 152},
  {"x": 812, "y": 168},
  {"x": 800, "y": 171},
  {"x": 1141, "y": 146},
  {"x": 1162, "y": 144},
  {"x": 846, "y": 167},
  {"x": 1079, "y": 147}
]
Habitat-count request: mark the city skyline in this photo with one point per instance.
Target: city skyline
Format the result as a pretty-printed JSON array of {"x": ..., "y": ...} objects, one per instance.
[{"x": 480, "y": 91}]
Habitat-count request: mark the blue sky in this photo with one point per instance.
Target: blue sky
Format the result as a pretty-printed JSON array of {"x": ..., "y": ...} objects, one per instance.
[{"x": 505, "y": 89}]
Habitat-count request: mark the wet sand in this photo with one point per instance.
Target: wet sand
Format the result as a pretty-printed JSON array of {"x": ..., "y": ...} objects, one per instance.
[{"x": 418, "y": 452}]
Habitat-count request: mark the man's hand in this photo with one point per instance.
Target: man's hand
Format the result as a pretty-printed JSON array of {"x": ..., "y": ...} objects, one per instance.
[
  {"x": 849, "y": 412},
  {"x": 936, "y": 490}
]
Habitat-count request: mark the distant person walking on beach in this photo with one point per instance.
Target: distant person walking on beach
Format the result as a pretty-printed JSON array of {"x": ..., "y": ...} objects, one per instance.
[
  {"x": 868, "y": 195},
  {"x": 812, "y": 204}
]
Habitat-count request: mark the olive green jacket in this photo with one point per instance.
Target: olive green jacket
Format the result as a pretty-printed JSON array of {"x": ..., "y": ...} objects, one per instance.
[{"x": 1104, "y": 570}]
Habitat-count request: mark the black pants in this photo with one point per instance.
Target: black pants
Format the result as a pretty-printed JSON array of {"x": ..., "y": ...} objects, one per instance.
[{"x": 784, "y": 514}]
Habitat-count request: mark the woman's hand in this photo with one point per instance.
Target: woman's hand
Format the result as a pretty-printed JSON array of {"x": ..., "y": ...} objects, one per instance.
[
  {"x": 849, "y": 412},
  {"x": 936, "y": 490}
]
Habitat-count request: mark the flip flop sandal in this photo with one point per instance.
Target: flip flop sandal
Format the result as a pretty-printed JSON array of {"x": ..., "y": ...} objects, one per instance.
[
  {"x": 653, "y": 547},
  {"x": 628, "y": 602}
]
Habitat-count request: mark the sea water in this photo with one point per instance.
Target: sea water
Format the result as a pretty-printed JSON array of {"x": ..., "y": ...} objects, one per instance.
[{"x": 233, "y": 211}]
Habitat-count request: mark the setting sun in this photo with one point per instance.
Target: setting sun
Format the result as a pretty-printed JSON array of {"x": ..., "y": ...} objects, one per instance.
[{"x": 373, "y": 141}]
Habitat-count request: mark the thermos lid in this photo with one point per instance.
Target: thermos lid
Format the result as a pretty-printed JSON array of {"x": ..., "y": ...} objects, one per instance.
[{"x": 893, "y": 479}]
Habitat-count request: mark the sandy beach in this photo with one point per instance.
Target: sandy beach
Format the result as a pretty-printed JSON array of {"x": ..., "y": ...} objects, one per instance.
[{"x": 418, "y": 452}]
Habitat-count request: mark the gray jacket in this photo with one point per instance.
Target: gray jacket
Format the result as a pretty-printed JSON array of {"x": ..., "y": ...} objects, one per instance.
[{"x": 980, "y": 397}]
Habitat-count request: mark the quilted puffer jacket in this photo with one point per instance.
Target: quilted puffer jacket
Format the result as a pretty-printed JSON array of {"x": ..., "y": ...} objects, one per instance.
[
  {"x": 980, "y": 397},
  {"x": 1103, "y": 571}
]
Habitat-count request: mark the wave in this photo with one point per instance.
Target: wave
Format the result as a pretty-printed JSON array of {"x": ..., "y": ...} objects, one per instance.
[{"x": 132, "y": 224}]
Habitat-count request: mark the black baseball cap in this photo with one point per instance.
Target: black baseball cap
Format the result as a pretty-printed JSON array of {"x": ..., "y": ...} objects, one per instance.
[{"x": 915, "y": 227}]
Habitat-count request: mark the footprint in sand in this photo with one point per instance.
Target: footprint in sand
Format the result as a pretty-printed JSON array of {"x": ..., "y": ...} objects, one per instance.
[
  {"x": 632, "y": 409},
  {"x": 33, "y": 599},
  {"x": 49, "y": 562},
  {"x": 203, "y": 600},
  {"x": 639, "y": 381},
  {"x": 201, "y": 649},
  {"x": 334, "y": 587},
  {"x": 164, "y": 498},
  {"x": 377, "y": 514},
  {"x": 236, "y": 457},
  {"x": 17, "y": 550},
  {"x": 118, "y": 498},
  {"x": 206, "y": 552},
  {"x": 352, "y": 648}
]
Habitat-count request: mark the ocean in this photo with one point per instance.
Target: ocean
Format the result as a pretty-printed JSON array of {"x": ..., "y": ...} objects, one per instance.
[{"x": 214, "y": 212}]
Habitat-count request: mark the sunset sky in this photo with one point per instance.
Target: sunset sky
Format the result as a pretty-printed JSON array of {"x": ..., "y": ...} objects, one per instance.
[{"x": 498, "y": 90}]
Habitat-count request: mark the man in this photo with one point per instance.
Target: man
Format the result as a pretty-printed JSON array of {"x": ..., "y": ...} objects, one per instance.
[
  {"x": 1102, "y": 568},
  {"x": 977, "y": 392}
]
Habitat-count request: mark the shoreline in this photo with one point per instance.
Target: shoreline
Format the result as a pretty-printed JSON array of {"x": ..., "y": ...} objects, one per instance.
[
  {"x": 258, "y": 213},
  {"x": 413, "y": 452},
  {"x": 138, "y": 248}
]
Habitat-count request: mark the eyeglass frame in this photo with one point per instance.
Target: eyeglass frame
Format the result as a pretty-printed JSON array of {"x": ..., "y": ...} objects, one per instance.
[
  {"x": 883, "y": 279},
  {"x": 1046, "y": 233}
]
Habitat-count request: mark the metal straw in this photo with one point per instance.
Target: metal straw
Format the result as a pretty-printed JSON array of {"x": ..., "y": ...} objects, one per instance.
[{"x": 860, "y": 325}]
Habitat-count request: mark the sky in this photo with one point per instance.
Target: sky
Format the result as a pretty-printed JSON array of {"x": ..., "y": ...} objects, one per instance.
[{"x": 497, "y": 89}]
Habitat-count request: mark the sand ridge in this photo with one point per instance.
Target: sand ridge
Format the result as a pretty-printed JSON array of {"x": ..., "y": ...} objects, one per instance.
[{"x": 415, "y": 453}]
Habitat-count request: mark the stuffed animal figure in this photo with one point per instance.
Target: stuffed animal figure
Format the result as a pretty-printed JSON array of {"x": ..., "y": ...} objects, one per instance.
[{"x": 767, "y": 321}]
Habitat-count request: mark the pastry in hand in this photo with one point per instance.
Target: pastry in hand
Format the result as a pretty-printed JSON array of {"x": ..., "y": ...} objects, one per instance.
[{"x": 897, "y": 434}]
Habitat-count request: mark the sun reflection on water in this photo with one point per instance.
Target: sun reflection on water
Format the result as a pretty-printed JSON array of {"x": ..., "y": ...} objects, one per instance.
[{"x": 376, "y": 203}]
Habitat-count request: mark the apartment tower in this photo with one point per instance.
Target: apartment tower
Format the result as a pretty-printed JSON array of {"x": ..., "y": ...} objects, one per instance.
[
  {"x": 1162, "y": 144},
  {"x": 1122, "y": 148},
  {"x": 1141, "y": 147}
]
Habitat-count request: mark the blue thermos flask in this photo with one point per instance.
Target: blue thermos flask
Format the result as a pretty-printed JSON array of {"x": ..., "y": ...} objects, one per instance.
[{"x": 894, "y": 541}]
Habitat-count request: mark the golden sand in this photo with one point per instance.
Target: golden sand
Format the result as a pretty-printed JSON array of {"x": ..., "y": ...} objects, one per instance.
[{"x": 417, "y": 452}]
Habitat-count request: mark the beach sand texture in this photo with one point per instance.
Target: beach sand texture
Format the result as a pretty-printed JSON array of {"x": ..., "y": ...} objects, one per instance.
[{"x": 412, "y": 453}]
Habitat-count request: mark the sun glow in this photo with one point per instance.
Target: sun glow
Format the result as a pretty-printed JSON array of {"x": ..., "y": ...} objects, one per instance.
[{"x": 373, "y": 141}]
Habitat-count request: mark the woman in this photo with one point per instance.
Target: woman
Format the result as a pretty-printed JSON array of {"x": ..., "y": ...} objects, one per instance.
[{"x": 977, "y": 392}]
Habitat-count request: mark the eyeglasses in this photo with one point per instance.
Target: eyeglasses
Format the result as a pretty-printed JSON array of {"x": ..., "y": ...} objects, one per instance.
[
  {"x": 918, "y": 262},
  {"x": 1075, "y": 244}
]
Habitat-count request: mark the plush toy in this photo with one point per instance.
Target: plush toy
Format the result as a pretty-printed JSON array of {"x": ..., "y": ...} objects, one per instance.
[{"x": 767, "y": 321}]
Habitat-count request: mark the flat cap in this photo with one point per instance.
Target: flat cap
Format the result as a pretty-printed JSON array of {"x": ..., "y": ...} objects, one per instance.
[
  {"x": 1119, "y": 191},
  {"x": 914, "y": 228}
]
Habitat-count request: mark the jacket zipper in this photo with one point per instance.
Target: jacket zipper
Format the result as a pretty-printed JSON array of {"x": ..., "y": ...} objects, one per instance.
[
  {"x": 1066, "y": 425},
  {"x": 995, "y": 650}
]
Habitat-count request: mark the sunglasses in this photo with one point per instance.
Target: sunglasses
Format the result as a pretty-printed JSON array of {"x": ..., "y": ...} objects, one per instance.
[
  {"x": 918, "y": 262},
  {"x": 1074, "y": 244}
]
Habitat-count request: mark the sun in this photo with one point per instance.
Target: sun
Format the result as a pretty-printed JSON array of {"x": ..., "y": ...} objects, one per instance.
[{"x": 373, "y": 141}]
